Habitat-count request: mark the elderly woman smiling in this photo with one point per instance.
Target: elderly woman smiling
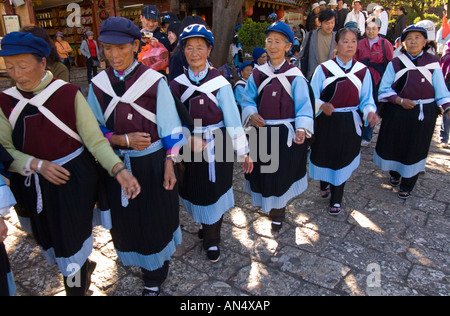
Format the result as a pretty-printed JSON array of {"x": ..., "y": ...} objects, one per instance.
[
  {"x": 413, "y": 88},
  {"x": 206, "y": 190},
  {"x": 277, "y": 103},
  {"x": 49, "y": 129}
]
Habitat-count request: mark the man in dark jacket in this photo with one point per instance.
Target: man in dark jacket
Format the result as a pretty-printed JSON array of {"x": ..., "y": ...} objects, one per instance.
[
  {"x": 401, "y": 23},
  {"x": 150, "y": 22},
  {"x": 341, "y": 14}
]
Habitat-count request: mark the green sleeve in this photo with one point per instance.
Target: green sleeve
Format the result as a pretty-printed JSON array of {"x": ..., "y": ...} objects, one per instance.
[{"x": 92, "y": 136}]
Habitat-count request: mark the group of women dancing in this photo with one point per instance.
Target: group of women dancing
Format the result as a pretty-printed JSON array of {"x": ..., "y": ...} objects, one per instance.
[{"x": 119, "y": 151}]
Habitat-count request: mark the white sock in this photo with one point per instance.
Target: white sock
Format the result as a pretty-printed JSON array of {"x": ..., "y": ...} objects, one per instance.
[
  {"x": 154, "y": 289},
  {"x": 337, "y": 205},
  {"x": 276, "y": 223},
  {"x": 215, "y": 248}
]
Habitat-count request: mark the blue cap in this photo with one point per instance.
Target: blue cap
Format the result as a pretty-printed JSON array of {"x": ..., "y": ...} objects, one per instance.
[
  {"x": 197, "y": 30},
  {"x": 244, "y": 65},
  {"x": 257, "y": 52},
  {"x": 282, "y": 28},
  {"x": 150, "y": 12},
  {"x": 118, "y": 31},
  {"x": 413, "y": 28},
  {"x": 17, "y": 43},
  {"x": 352, "y": 25}
]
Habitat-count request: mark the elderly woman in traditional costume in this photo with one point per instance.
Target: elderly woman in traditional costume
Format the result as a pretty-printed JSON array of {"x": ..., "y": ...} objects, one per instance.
[
  {"x": 278, "y": 105},
  {"x": 48, "y": 128},
  {"x": 207, "y": 188},
  {"x": 413, "y": 88},
  {"x": 137, "y": 113},
  {"x": 343, "y": 90}
]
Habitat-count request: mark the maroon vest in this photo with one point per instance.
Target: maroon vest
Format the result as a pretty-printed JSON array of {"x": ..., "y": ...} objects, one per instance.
[
  {"x": 274, "y": 101},
  {"x": 200, "y": 106},
  {"x": 413, "y": 85},
  {"x": 342, "y": 93},
  {"x": 125, "y": 119},
  {"x": 35, "y": 135}
]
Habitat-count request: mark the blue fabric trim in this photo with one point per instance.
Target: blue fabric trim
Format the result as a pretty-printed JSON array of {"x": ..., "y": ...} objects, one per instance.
[
  {"x": 67, "y": 265},
  {"x": 104, "y": 130},
  {"x": 11, "y": 284},
  {"x": 6, "y": 197},
  {"x": 407, "y": 171},
  {"x": 277, "y": 202},
  {"x": 155, "y": 261},
  {"x": 210, "y": 214},
  {"x": 334, "y": 177},
  {"x": 102, "y": 218},
  {"x": 174, "y": 140}
]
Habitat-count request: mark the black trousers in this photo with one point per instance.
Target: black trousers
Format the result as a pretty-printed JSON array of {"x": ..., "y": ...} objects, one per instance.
[
  {"x": 278, "y": 215},
  {"x": 337, "y": 192},
  {"x": 157, "y": 277},
  {"x": 91, "y": 69},
  {"x": 211, "y": 234},
  {"x": 406, "y": 184}
]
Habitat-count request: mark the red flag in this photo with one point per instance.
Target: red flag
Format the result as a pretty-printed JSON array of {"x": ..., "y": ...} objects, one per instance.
[{"x": 445, "y": 27}]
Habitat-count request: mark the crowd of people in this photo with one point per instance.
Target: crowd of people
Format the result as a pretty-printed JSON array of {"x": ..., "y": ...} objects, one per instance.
[{"x": 143, "y": 141}]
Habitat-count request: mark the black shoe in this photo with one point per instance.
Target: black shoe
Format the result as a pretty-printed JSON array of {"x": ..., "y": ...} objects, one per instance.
[
  {"x": 276, "y": 227},
  {"x": 335, "y": 210},
  {"x": 213, "y": 255},
  {"x": 200, "y": 233},
  {"x": 404, "y": 195},
  {"x": 395, "y": 182},
  {"x": 148, "y": 292}
]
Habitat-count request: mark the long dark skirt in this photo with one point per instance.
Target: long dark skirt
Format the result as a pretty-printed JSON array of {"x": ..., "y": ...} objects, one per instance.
[
  {"x": 63, "y": 229},
  {"x": 7, "y": 286},
  {"x": 205, "y": 200},
  {"x": 147, "y": 231},
  {"x": 404, "y": 140},
  {"x": 335, "y": 153},
  {"x": 275, "y": 181}
]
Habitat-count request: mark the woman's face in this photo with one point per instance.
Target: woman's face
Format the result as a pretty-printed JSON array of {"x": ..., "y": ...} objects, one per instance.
[
  {"x": 172, "y": 37},
  {"x": 372, "y": 30},
  {"x": 414, "y": 43},
  {"x": 277, "y": 46},
  {"x": 197, "y": 51},
  {"x": 347, "y": 45},
  {"x": 120, "y": 57},
  {"x": 247, "y": 72},
  {"x": 26, "y": 70},
  {"x": 263, "y": 59}
]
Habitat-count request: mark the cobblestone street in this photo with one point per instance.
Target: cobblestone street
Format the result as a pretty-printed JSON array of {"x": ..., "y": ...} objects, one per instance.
[{"x": 379, "y": 245}]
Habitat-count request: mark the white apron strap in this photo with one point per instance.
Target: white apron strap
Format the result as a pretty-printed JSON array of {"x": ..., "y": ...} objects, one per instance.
[
  {"x": 424, "y": 70},
  {"x": 145, "y": 82},
  {"x": 282, "y": 77},
  {"x": 207, "y": 88},
  {"x": 38, "y": 101},
  {"x": 334, "y": 68}
]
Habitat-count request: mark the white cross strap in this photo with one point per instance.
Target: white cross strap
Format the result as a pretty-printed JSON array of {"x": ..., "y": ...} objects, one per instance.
[
  {"x": 334, "y": 68},
  {"x": 282, "y": 77},
  {"x": 38, "y": 101},
  {"x": 145, "y": 82},
  {"x": 424, "y": 70},
  {"x": 207, "y": 88}
]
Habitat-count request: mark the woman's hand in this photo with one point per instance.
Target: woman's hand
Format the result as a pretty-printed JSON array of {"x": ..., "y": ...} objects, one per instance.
[
  {"x": 300, "y": 137},
  {"x": 327, "y": 109},
  {"x": 3, "y": 230},
  {"x": 129, "y": 183},
  {"x": 197, "y": 144},
  {"x": 373, "y": 119},
  {"x": 51, "y": 171},
  {"x": 169, "y": 175},
  {"x": 247, "y": 165},
  {"x": 407, "y": 104},
  {"x": 257, "y": 120},
  {"x": 136, "y": 141}
]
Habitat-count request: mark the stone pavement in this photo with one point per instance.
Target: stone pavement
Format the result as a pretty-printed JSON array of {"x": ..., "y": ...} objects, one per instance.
[{"x": 379, "y": 245}]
